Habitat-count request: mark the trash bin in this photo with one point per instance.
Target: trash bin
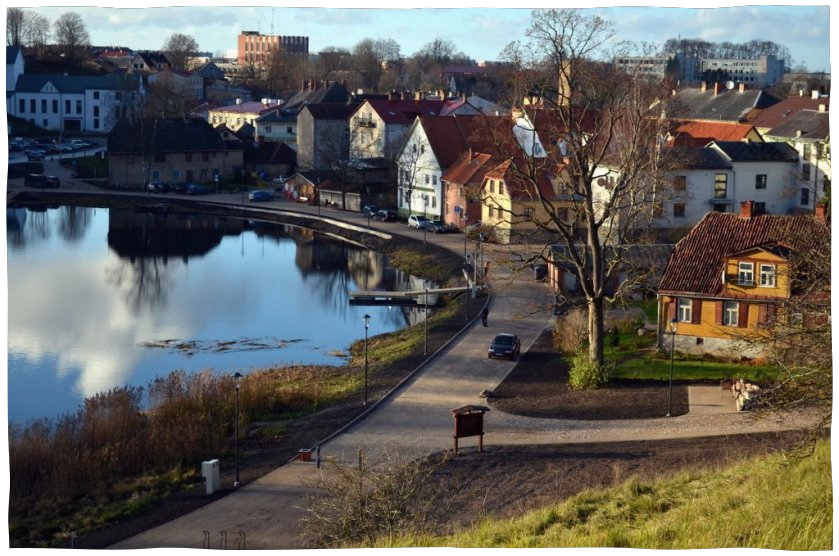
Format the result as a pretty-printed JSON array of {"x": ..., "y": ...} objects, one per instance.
[{"x": 210, "y": 472}]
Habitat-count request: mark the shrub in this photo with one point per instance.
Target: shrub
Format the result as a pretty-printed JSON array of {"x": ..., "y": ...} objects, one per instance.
[
  {"x": 585, "y": 374},
  {"x": 571, "y": 331}
]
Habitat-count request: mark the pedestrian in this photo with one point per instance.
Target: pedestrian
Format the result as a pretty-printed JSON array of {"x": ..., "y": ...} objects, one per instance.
[
  {"x": 486, "y": 268},
  {"x": 484, "y": 315}
]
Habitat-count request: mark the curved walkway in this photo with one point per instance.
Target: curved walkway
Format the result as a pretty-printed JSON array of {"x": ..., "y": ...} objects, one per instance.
[{"x": 417, "y": 416}]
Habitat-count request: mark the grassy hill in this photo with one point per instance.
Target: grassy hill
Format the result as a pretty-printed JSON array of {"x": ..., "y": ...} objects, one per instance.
[{"x": 768, "y": 502}]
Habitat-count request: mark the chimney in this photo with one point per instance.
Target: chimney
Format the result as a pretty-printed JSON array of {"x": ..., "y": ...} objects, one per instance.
[
  {"x": 747, "y": 209},
  {"x": 703, "y": 88},
  {"x": 821, "y": 213},
  {"x": 814, "y": 95},
  {"x": 716, "y": 89}
]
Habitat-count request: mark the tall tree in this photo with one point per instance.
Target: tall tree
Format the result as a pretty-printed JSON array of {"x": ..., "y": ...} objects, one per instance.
[
  {"x": 179, "y": 48},
  {"x": 602, "y": 141},
  {"x": 37, "y": 33},
  {"x": 15, "y": 26},
  {"x": 367, "y": 64},
  {"x": 71, "y": 35}
]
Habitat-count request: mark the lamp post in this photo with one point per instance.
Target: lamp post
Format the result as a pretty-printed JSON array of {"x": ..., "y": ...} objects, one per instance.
[
  {"x": 366, "y": 328},
  {"x": 237, "y": 379},
  {"x": 673, "y": 326},
  {"x": 425, "y": 213},
  {"x": 425, "y": 320}
]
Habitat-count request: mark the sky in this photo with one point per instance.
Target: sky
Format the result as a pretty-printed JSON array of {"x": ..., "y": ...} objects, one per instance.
[{"x": 480, "y": 32}]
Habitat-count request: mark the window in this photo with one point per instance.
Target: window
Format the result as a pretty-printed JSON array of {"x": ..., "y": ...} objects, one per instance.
[
  {"x": 767, "y": 275},
  {"x": 22, "y": 106},
  {"x": 730, "y": 312},
  {"x": 491, "y": 186},
  {"x": 95, "y": 95},
  {"x": 32, "y": 105},
  {"x": 78, "y": 107},
  {"x": 825, "y": 184},
  {"x": 176, "y": 175},
  {"x": 807, "y": 152},
  {"x": 155, "y": 175},
  {"x": 528, "y": 212},
  {"x": 684, "y": 309},
  {"x": 95, "y": 111},
  {"x": 434, "y": 180},
  {"x": 96, "y": 123},
  {"x": 43, "y": 106},
  {"x": 268, "y": 129},
  {"x": 721, "y": 186},
  {"x": 67, "y": 106},
  {"x": 759, "y": 208},
  {"x": 805, "y": 197},
  {"x": 678, "y": 210},
  {"x": 680, "y": 183},
  {"x": 427, "y": 180},
  {"x": 203, "y": 173},
  {"x": 746, "y": 274},
  {"x": 805, "y": 172},
  {"x": 760, "y": 181},
  {"x": 289, "y": 130},
  {"x": 55, "y": 106}
]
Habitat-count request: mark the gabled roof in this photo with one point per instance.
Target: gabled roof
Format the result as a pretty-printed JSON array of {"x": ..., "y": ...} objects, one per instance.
[
  {"x": 12, "y": 52},
  {"x": 521, "y": 189},
  {"x": 153, "y": 58},
  {"x": 469, "y": 169},
  {"x": 330, "y": 110},
  {"x": 806, "y": 125},
  {"x": 700, "y": 133},
  {"x": 269, "y": 153},
  {"x": 76, "y": 84},
  {"x": 728, "y": 105},
  {"x": 164, "y": 135},
  {"x": 694, "y": 158},
  {"x": 737, "y": 151},
  {"x": 778, "y": 113},
  {"x": 698, "y": 260},
  {"x": 331, "y": 92},
  {"x": 403, "y": 112},
  {"x": 252, "y": 107},
  {"x": 210, "y": 71}
]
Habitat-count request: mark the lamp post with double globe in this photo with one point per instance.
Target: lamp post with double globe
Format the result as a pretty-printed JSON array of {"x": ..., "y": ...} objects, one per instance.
[
  {"x": 673, "y": 325},
  {"x": 237, "y": 380},
  {"x": 366, "y": 328}
]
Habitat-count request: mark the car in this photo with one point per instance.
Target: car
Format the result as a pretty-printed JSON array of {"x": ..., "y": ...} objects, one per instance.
[
  {"x": 180, "y": 187},
  {"x": 260, "y": 195},
  {"x": 35, "y": 154},
  {"x": 35, "y": 180},
  {"x": 385, "y": 215},
  {"x": 158, "y": 187},
  {"x": 417, "y": 221},
  {"x": 53, "y": 181},
  {"x": 504, "y": 345},
  {"x": 438, "y": 227},
  {"x": 197, "y": 189},
  {"x": 370, "y": 211},
  {"x": 79, "y": 144}
]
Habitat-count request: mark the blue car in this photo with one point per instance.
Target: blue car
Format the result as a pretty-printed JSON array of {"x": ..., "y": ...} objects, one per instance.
[
  {"x": 197, "y": 189},
  {"x": 260, "y": 195}
]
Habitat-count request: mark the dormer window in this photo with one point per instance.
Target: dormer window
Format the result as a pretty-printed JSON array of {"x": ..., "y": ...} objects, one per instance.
[{"x": 746, "y": 274}]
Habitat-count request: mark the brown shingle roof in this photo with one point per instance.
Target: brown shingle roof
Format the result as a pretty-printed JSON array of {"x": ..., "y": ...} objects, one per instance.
[
  {"x": 812, "y": 125},
  {"x": 698, "y": 260},
  {"x": 775, "y": 115}
]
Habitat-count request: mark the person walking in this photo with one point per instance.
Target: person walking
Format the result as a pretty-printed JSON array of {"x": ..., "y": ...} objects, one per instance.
[
  {"x": 486, "y": 268},
  {"x": 484, "y": 315}
]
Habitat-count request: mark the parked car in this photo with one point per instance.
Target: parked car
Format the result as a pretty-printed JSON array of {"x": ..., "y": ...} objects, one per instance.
[
  {"x": 369, "y": 211},
  {"x": 53, "y": 181},
  {"x": 438, "y": 227},
  {"x": 35, "y": 154},
  {"x": 79, "y": 144},
  {"x": 180, "y": 187},
  {"x": 35, "y": 180},
  {"x": 260, "y": 195},
  {"x": 197, "y": 189},
  {"x": 417, "y": 221},
  {"x": 385, "y": 215},
  {"x": 504, "y": 345},
  {"x": 158, "y": 187}
]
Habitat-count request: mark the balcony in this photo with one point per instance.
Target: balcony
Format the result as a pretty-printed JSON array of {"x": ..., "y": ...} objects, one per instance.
[{"x": 364, "y": 123}]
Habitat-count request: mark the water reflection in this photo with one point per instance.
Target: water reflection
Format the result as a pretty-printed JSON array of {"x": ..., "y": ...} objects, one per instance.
[{"x": 88, "y": 288}]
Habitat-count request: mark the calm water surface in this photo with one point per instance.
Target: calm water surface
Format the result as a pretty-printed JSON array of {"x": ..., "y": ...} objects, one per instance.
[{"x": 102, "y": 298}]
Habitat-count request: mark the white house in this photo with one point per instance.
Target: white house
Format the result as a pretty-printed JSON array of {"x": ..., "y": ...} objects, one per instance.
[
  {"x": 379, "y": 126},
  {"x": 87, "y": 104},
  {"x": 14, "y": 66}
]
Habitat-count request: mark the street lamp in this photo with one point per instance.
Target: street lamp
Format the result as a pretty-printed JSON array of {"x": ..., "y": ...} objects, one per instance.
[
  {"x": 425, "y": 350},
  {"x": 673, "y": 325},
  {"x": 237, "y": 379},
  {"x": 366, "y": 328},
  {"x": 425, "y": 213}
]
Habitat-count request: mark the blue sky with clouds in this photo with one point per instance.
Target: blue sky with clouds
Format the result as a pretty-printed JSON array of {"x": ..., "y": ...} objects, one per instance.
[{"x": 479, "y": 32}]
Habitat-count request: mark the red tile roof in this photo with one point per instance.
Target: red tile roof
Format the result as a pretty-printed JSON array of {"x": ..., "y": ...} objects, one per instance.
[
  {"x": 777, "y": 114},
  {"x": 700, "y": 133},
  {"x": 521, "y": 188},
  {"x": 698, "y": 260},
  {"x": 470, "y": 168},
  {"x": 403, "y": 112}
]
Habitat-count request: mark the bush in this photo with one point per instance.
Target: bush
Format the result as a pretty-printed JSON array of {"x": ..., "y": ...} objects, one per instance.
[
  {"x": 585, "y": 374},
  {"x": 571, "y": 331}
]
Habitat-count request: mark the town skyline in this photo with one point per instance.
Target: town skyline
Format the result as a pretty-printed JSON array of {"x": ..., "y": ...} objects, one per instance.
[{"x": 216, "y": 27}]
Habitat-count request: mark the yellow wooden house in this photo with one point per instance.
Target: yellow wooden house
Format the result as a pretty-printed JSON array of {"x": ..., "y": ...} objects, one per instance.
[{"x": 728, "y": 282}]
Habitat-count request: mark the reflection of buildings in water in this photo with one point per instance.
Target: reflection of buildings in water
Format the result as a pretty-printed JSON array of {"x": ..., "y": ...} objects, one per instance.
[
  {"x": 15, "y": 225},
  {"x": 31, "y": 224}
]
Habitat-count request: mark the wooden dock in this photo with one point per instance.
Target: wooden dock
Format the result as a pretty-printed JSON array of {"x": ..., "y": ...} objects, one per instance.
[{"x": 411, "y": 297}]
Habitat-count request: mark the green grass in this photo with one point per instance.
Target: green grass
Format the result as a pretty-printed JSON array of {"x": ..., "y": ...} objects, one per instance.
[
  {"x": 649, "y": 367},
  {"x": 765, "y": 502}
]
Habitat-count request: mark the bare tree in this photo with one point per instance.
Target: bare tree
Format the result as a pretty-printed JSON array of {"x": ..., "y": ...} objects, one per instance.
[
  {"x": 367, "y": 63},
  {"x": 342, "y": 151},
  {"x": 15, "y": 26},
  {"x": 179, "y": 48},
  {"x": 601, "y": 139},
  {"x": 37, "y": 32},
  {"x": 71, "y": 35}
]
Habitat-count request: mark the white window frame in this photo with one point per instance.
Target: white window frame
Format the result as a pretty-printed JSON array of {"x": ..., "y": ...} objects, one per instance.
[
  {"x": 767, "y": 275},
  {"x": 684, "y": 309},
  {"x": 745, "y": 274},
  {"x": 730, "y": 313}
]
